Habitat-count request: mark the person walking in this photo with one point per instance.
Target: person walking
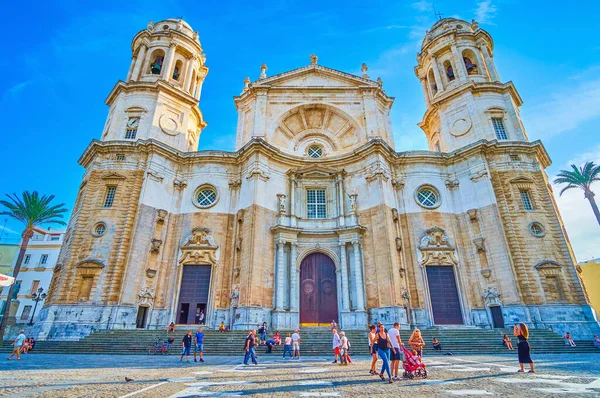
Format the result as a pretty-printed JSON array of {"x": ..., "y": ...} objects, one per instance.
[
  {"x": 199, "y": 347},
  {"x": 396, "y": 341},
  {"x": 343, "y": 348},
  {"x": 373, "y": 348},
  {"x": 201, "y": 317},
  {"x": 17, "y": 345},
  {"x": 287, "y": 346},
  {"x": 416, "y": 342},
  {"x": 383, "y": 347},
  {"x": 522, "y": 333},
  {"x": 249, "y": 348},
  {"x": 336, "y": 344},
  {"x": 186, "y": 346},
  {"x": 296, "y": 344}
]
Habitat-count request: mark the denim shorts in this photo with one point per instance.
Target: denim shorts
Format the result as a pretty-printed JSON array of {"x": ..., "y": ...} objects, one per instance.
[
  {"x": 186, "y": 350},
  {"x": 199, "y": 348}
]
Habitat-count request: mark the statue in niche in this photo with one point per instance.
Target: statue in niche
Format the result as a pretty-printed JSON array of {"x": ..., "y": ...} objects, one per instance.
[
  {"x": 353, "y": 198},
  {"x": 234, "y": 297},
  {"x": 281, "y": 199}
]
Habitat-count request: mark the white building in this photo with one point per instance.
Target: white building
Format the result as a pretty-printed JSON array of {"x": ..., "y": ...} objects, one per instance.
[{"x": 36, "y": 271}]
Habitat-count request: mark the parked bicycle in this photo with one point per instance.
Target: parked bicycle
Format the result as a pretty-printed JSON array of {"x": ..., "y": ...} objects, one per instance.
[{"x": 161, "y": 348}]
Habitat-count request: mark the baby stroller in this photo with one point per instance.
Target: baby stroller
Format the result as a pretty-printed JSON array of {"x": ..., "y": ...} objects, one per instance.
[{"x": 413, "y": 366}]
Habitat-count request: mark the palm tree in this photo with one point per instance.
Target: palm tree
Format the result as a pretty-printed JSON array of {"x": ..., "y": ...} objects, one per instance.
[
  {"x": 32, "y": 210},
  {"x": 581, "y": 178}
]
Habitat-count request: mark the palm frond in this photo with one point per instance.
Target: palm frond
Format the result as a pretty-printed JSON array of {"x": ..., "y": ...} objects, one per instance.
[{"x": 33, "y": 209}]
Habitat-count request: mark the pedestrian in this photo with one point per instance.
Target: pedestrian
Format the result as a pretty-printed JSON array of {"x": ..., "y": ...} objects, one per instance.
[
  {"x": 17, "y": 345},
  {"x": 383, "y": 347},
  {"x": 396, "y": 341},
  {"x": 333, "y": 324},
  {"x": 270, "y": 343},
  {"x": 437, "y": 345},
  {"x": 287, "y": 347},
  {"x": 201, "y": 317},
  {"x": 336, "y": 344},
  {"x": 522, "y": 333},
  {"x": 373, "y": 349},
  {"x": 343, "y": 348},
  {"x": 262, "y": 331},
  {"x": 296, "y": 344},
  {"x": 417, "y": 343},
  {"x": 186, "y": 346},
  {"x": 249, "y": 348},
  {"x": 199, "y": 344},
  {"x": 569, "y": 339}
]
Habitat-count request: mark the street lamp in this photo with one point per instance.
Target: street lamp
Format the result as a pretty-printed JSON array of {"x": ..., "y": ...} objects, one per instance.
[{"x": 37, "y": 297}]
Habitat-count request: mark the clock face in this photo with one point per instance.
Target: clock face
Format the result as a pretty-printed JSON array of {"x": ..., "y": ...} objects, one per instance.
[{"x": 133, "y": 122}]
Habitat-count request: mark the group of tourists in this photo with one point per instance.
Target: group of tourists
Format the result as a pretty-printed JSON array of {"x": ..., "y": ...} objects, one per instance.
[
  {"x": 21, "y": 344},
  {"x": 197, "y": 341}
]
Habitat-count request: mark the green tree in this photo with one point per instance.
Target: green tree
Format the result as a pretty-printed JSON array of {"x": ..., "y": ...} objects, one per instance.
[
  {"x": 32, "y": 210},
  {"x": 581, "y": 178}
]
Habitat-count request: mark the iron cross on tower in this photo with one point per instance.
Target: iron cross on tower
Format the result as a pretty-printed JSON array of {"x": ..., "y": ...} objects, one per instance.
[{"x": 436, "y": 13}]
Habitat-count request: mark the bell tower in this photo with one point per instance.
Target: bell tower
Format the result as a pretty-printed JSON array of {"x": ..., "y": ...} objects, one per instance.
[
  {"x": 466, "y": 100},
  {"x": 159, "y": 99}
]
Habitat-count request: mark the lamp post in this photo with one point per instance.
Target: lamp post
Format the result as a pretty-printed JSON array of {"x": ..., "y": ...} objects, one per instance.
[{"x": 37, "y": 297}]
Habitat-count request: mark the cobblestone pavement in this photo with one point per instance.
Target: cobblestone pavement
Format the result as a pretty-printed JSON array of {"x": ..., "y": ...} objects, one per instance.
[{"x": 160, "y": 376}]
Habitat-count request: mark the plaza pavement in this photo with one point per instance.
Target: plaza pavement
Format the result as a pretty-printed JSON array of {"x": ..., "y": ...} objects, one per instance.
[{"x": 45, "y": 375}]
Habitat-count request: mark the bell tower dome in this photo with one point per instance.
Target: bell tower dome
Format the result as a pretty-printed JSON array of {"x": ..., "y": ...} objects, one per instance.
[
  {"x": 159, "y": 99},
  {"x": 466, "y": 101}
]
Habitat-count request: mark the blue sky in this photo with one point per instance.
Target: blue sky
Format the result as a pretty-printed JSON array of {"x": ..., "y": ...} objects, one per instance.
[{"x": 69, "y": 55}]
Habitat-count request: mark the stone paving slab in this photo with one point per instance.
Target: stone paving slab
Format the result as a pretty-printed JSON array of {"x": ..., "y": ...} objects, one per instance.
[{"x": 42, "y": 375}]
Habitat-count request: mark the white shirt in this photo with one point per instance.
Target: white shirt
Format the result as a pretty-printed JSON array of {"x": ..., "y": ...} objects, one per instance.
[
  {"x": 295, "y": 337},
  {"x": 345, "y": 342},
  {"x": 336, "y": 340},
  {"x": 288, "y": 341},
  {"x": 394, "y": 333},
  {"x": 20, "y": 338}
]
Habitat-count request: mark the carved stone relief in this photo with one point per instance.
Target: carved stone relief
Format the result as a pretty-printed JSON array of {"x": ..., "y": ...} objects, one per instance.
[{"x": 436, "y": 248}]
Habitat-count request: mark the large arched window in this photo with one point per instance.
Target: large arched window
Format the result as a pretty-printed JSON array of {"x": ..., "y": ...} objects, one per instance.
[
  {"x": 156, "y": 62},
  {"x": 470, "y": 60},
  {"x": 449, "y": 70}
]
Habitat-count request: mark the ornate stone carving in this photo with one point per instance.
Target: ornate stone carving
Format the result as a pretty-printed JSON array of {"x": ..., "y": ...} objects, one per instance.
[
  {"x": 364, "y": 70},
  {"x": 491, "y": 296},
  {"x": 478, "y": 175},
  {"x": 199, "y": 248},
  {"x": 263, "y": 71},
  {"x": 353, "y": 198},
  {"x": 378, "y": 171},
  {"x": 154, "y": 175},
  {"x": 379, "y": 81},
  {"x": 281, "y": 203},
  {"x": 479, "y": 244},
  {"x": 179, "y": 183},
  {"x": 235, "y": 297},
  {"x": 150, "y": 273},
  {"x": 472, "y": 214},
  {"x": 146, "y": 297},
  {"x": 240, "y": 215},
  {"x": 486, "y": 273},
  {"x": 313, "y": 59},
  {"x": 399, "y": 244},
  {"x": 259, "y": 171},
  {"x": 155, "y": 245},
  {"x": 235, "y": 184},
  {"x": 548, "y": 267},
  {"x": 238, "y": 243},
  {"x": 451, "y": 184},
  {"x": 398, "y": 183},
  {"x": 161, "y": 214},
  {"x": 436, "y": 248},
  {"x": 246, "y": 84},
  {"x": 395, "y": 214}
]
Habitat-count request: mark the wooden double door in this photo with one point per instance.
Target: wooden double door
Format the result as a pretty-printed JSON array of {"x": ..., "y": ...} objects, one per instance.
[
  {"x": 318, "y": 291},
  {"x": 445, "y": 302},
  {"x": 193, "y": 294}
]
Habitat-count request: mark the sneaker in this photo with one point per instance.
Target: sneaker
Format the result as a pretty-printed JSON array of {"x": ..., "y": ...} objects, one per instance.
[
  {"x": 195, "y": 360},
  {"x": 334, "y": 362},
  {"x": 201, "y": 360}
]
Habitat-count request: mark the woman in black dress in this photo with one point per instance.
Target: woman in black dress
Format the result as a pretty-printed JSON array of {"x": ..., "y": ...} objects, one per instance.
[{"x": 522, "y": 333}]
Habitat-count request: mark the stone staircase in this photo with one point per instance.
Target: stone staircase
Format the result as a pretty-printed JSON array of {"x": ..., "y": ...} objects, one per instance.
[{"x": 315, "y": 341}]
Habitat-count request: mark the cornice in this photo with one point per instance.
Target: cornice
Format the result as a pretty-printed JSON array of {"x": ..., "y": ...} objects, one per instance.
[{"x": 260, "y": 146}]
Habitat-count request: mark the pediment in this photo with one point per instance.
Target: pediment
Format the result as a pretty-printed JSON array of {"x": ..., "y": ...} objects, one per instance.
[
  {"x": 314, "y": 76},
  {"x": 113, "y": 176},
  {"x": 315, "y": 171}
]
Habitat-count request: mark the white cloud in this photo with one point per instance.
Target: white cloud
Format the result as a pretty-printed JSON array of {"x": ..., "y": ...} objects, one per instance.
[
  {"x": 422, "y": 5},
  {"x": 485, "y": 12},
  {"x": 577, "y": 101},
  {"x": 577, "y": 214}
]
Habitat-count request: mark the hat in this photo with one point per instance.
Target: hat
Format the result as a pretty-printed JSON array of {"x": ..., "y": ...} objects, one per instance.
[{"x": 343, "y": 333}]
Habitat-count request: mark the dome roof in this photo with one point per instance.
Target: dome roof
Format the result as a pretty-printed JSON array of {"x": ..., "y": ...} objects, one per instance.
[
  {"x": 448, "y": 24},
  {"x": 176, "y": 24}
]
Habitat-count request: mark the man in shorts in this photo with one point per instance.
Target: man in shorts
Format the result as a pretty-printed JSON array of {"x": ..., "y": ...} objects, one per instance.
[
  {"x": 17, "y": 345},
  {"x": 296, "y": 344},
  {"x": 199, "y": 348},
  {"x": 186, "y": 346},
  {"x": 336, "y": 344},
  {"x": 395, "y": 356}
]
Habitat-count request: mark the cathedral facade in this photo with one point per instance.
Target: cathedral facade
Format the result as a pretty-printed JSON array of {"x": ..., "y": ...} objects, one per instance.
[{"x": 315, "y": 216}]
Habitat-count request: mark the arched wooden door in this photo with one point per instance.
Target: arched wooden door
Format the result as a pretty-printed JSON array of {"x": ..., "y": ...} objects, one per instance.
[{"x": 318, "y": 290}]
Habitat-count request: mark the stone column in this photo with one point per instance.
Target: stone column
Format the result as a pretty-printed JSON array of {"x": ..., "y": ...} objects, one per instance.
[
  {"x": 280, "y": 275},
  {"x": 460, "y": 64},
  {"x": 168, "y": 64},
  {"x": 341, "y": 199},
  {"x": 489, "y": 63},
  {"x": 188, "y": 74},
  {"x": 425, "y": 92},
  {"x": 436, "y": 74},
  {"x": 139, "y": 63},
  {"x": 294, "y": 292},
  {"x": 358, "y": 278},
  {"x": 344, "y": 267}
]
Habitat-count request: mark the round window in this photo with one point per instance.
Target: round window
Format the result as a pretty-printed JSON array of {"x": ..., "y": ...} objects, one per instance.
[
  {"x": 537, "y": 229},
  {"x": 428, "y": 197},
  {"x": 315, "y": 151},
  {"x": 99, "y": 229},
  {"x": 205, "y": 196}
]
